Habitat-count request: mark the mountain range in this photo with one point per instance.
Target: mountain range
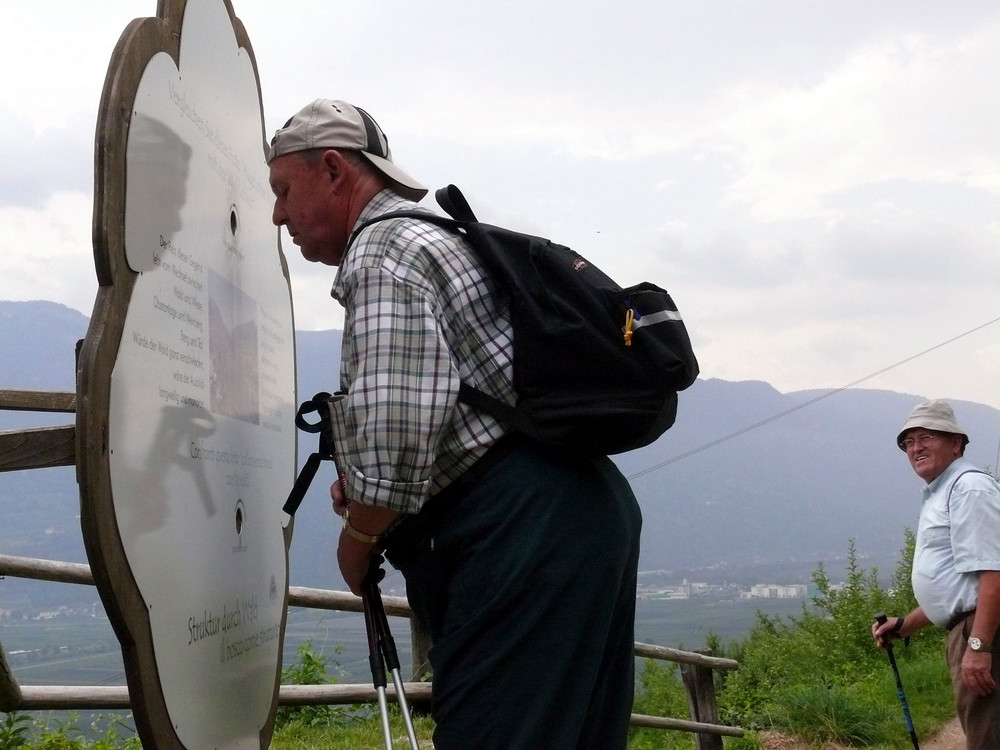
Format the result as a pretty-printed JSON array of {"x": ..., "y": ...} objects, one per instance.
[{"x": 750, "y": 485}]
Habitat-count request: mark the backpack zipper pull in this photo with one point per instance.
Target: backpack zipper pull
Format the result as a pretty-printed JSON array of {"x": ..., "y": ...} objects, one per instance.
[{"x": 627, "y": 329}]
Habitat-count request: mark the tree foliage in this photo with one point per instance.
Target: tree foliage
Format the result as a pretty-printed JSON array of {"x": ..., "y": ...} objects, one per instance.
[{"x": 820, "y": 674}]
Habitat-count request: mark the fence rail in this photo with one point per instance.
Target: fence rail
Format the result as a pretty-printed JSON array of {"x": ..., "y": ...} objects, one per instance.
[
  {"x": 54, "y": 446},
  {"x": 700, "y": 684}
]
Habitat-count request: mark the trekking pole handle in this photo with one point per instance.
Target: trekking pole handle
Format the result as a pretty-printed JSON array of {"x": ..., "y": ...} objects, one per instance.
[{"x": 881, "y": 618}]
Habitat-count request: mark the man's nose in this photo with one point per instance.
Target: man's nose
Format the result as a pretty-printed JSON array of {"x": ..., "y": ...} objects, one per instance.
[{"x": 278, "y": 215}]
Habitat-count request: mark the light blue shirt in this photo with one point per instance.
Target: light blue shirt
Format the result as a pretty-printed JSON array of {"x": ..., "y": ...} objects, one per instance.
[{"x": 958, "y": 535}]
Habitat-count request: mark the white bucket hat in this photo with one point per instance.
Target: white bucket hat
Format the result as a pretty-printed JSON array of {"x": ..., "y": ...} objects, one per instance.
[{"x": 932, "y": 415}]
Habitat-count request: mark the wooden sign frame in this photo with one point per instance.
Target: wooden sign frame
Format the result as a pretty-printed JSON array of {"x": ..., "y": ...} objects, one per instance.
[{"x": 127, "y": 606}]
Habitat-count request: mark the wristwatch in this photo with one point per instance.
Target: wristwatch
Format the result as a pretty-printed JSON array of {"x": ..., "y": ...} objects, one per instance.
[
  {"x": 977, "y": 645},
  {"x": 359, "y": 535}
]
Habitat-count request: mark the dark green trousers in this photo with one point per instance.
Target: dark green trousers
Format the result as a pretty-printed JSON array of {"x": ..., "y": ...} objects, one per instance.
[{"x": 527, "y": 585}]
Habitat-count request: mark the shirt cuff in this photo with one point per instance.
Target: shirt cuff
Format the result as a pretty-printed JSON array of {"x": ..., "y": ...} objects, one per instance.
[{"x": 402, "y": 497}]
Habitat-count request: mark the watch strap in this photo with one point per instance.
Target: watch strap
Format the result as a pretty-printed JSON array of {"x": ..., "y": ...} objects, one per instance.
[
  {"x": 977, "y": 644},
  {"x": 358, "y": 535}
]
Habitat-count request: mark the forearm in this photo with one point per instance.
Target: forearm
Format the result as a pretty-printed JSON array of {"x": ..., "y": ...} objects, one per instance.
[
  {"x": 370, "y": 520},
  {"x": 915, "y": 621},
  {"x": 899, "y": 627},
  {"x": 359, "y": 545}
]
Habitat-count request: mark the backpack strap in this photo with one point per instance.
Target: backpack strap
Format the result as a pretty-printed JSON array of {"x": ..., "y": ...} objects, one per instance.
[
  {"x": 503, "y": 411},
  {"x": 452, "y": 201},
  {"x": 441, "y": 221},
  {"x": 947, "y": 504},
  {"x": 450, "y": 198}
]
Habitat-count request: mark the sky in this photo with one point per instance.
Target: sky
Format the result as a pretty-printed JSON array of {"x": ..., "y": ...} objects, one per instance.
[{"x": 816, "y": 183}]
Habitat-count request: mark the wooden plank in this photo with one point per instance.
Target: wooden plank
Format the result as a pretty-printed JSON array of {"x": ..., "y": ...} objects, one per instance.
[
  {"x": 649, "y": 651},
  {"x": 656, "y": 722},
  {"x": 37, "y": 448},
  {"x": 73, "y": 697},
  {"x": 329, "y": 695},
  {"x": 45, "y": 570},
  {"x": 60, "y": 401},
  {"x": 343, "y": 601}
]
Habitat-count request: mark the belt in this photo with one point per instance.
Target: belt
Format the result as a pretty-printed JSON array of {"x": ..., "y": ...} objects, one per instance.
[
  {"x": 404, "y": 538},
  {"x": 958, "y": 619}
]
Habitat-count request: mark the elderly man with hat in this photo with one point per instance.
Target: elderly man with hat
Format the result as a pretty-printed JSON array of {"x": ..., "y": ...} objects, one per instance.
[
  {"x": 956, "y": 566},
  {"x": 521, "y": 562}
]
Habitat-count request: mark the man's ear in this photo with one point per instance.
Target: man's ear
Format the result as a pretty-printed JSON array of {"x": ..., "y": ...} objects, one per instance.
[
  {"x": 956, "y": 444},
  {"x": 335, "y": 165}
]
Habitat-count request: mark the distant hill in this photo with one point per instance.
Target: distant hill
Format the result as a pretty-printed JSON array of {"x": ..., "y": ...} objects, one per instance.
[{"x": 720, "y": 501}]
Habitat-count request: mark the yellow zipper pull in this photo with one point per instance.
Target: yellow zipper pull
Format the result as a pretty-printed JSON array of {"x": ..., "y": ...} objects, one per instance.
[{"x": 627, "y": 329}]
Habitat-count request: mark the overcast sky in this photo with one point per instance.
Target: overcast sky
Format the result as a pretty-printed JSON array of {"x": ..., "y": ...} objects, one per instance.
[{"x": 816, "y": 183}]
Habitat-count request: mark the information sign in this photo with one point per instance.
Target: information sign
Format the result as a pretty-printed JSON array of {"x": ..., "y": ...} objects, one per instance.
[{"x": 187, "y": 383}]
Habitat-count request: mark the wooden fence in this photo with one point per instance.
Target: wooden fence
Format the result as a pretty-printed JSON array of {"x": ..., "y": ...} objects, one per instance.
[{"x": 54, "y": 446}]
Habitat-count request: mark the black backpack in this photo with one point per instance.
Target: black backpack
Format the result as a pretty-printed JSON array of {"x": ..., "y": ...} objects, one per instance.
[{"x": 596, "y": 367}]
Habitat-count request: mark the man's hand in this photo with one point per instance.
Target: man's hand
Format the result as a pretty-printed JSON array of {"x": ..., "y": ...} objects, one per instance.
[
  {"x": 977, "y": 672},
  {"x": 883, "y": 632},
  {"x": 353, "y": 555},
  {"x": 912, "y": 622},
  {"x": 355, "y": 560},
  {"x": 340, "y": 500}
]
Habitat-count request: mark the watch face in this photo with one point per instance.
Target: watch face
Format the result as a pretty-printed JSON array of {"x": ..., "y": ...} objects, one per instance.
[{"x": 975, "y": 644}]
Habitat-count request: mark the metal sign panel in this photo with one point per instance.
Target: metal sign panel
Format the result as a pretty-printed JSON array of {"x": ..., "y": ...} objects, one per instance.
[{"x": 187, "y": 383}]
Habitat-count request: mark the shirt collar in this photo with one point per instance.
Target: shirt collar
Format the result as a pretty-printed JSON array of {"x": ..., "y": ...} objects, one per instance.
[
  {"x": 956, "y": 466},
  {"x": 383, "y": 202}
]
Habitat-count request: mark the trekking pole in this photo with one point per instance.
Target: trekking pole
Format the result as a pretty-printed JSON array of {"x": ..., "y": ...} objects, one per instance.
[
  {"x": 376, "y": 661},
  {"x": 387, "y": 646},
  {"x": 881, "y": 618}
]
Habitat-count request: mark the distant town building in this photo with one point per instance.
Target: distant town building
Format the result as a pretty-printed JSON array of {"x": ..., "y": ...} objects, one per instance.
[{"x": 774, "y": 591}]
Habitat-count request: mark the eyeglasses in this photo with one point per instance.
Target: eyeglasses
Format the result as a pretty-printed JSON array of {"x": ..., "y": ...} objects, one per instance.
[{"x": 917, "y": 442}]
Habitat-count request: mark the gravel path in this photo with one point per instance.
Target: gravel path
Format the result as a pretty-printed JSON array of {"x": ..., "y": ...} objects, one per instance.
[{"x": 949, "y": 738}]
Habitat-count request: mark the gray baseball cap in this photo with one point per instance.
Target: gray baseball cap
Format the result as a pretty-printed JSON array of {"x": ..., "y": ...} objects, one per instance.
[
  {"x": 331, "y": 123},
  {"x": 932, "y": 415}
]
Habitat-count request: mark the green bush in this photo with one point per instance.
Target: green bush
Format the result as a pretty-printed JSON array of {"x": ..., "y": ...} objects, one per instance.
[
  {"x": 14, "y": 730},
  {"x": 820, "y": 675},
  {"x": 660, "y": 692},
  {"x": 310, "y": 668}
]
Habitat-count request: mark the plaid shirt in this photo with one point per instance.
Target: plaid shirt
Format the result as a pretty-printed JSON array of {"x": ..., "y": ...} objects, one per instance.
[{"x": 421, "y": 318}]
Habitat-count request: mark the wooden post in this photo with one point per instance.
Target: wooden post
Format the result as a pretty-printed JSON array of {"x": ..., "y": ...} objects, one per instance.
[
  {"x": 420, "y": 645},
  {"x": 10, "y": 691},
  {"x": 700, "y": 688}
]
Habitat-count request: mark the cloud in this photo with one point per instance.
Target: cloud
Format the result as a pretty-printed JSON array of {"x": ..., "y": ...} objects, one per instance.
[
  {"x": 44, "y": 252},
  {"x": 38, "y": 164},
  {"x": 799, "y": 175},
  {"x": 911, "y": 108}
]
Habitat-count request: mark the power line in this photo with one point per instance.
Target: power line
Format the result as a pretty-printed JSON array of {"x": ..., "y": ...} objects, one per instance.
[{"x": 810, "y": 402}]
